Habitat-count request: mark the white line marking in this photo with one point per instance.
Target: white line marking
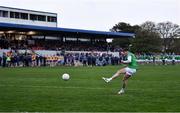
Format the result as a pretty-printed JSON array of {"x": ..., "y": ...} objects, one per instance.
[
  {"x": 86, "y": 88},
  {"x": 61, "y": 87}
]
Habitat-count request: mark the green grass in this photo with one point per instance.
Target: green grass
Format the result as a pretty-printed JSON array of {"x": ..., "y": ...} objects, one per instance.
[{"x": 153, "y": 88}]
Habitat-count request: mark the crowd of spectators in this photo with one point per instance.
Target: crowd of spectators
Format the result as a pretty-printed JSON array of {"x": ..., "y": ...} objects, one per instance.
[
  {"x": 91, "y": 59},
  {"x": 31, "y": 59},
  {"x": 14, "y": 58}
]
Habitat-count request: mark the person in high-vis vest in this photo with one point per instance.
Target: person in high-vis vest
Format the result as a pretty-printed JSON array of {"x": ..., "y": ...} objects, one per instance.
[
  {"x": 8, "y": 61},
  {"x": 128, "y": 71}
]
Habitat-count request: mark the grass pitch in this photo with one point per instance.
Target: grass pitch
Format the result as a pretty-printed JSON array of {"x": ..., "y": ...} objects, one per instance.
[{"x": 153, "y": 88}]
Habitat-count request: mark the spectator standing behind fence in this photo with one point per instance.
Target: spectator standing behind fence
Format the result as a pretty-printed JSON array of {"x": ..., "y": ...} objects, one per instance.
[
  {"x": 0, "y": 61},
  {"x": 8, "y": 60},
  {"x": 4, "y": 59},
  {"x": 154, "y": 59},
  {"x": 37, "y": 60},
  {"x": 44, "y": 60},
  {"x": 173, "y": 59},
  {"x": 163, "y": 60}
]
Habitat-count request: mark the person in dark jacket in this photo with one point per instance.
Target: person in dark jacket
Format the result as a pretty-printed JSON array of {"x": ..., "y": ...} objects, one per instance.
[{"x": 4, "y": 60}]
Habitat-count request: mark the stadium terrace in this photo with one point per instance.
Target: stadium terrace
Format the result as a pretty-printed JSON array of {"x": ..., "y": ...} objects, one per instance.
[{"x": 33, "y": 36}]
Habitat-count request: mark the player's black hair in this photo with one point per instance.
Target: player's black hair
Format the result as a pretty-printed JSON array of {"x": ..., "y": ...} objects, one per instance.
[{"x": 126, "y": 49}]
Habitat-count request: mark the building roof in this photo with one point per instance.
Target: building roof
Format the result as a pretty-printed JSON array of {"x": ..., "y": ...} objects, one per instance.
[
  {"x": 58, "y": 31},
  {"x": 12, "y": 8}
]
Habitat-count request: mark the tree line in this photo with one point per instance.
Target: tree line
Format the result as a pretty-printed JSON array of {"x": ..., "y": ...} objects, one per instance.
[{"x": 149, "y": 37}]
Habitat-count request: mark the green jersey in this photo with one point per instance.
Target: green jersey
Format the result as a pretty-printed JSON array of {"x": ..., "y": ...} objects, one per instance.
[{"x": 133, "y": 63}]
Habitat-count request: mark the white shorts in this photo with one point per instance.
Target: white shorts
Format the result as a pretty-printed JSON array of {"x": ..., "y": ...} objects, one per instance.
[{"x": 130, "y": 71}]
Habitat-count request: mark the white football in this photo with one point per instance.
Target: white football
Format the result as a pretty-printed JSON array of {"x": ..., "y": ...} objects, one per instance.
[{"x": 65, "y": 76}]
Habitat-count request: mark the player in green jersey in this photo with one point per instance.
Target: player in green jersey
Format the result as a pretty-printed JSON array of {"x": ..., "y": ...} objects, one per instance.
[{"x": 128, "y": 71}]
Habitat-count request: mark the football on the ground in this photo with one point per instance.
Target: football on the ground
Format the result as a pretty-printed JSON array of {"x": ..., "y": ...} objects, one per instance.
[{"x": 65, "y": 76}]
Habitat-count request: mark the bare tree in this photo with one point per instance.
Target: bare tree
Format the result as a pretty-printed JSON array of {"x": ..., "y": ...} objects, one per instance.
[
  {"x": 178, "y": 33},
  {"x": 168, "y": 32},
  {"x": 149, "y": 25}
]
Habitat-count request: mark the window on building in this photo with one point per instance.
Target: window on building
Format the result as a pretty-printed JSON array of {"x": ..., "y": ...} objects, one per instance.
[
  {"x": 41, "y": 18},
  {"x": 37, "y": 17},
  {"x": 12, "y": 14},
  {"x": 24, "y": 16},
  {"x": 3, "y": 13},
  {"x": 52, "y": 19},
  {"x": 17, "y": 15},
  {"x": 33, "y": 17}
]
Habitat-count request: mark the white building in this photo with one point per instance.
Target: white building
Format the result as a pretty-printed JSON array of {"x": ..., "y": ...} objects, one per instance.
[{"x": 27, "y": 17}]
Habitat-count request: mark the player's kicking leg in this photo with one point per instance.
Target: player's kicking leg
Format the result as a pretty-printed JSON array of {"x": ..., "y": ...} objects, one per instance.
[{"x": 121, "y": 71}]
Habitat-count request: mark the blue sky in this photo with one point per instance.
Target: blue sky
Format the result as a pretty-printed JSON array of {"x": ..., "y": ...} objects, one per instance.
[{"x": 103, "y": 14}]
